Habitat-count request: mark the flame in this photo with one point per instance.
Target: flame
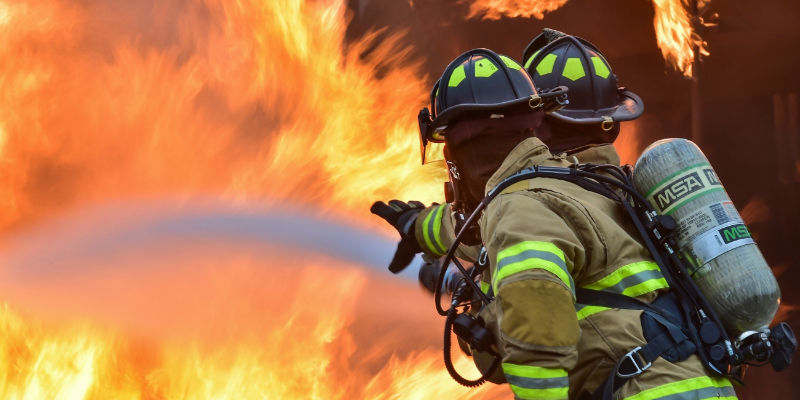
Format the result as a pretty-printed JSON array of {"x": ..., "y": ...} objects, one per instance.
[
  {"x": 259, "y": 102},
  {"x": 676, "y": 37},
  {"x": 496, "y": 9},
  {"x": 298, "y": 352}
]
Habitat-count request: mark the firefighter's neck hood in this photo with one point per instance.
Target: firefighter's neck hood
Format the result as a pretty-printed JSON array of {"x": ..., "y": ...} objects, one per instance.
[{"x": 479, "y": 146}]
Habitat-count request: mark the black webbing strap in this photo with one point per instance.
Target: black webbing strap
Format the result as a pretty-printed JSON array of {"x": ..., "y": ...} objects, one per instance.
[
  {"x": 640, "y": 358},
  {"x": 615, "y": 300}
]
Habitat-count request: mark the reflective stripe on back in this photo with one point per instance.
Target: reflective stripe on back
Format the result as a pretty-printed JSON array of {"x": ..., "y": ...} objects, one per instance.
[
  {"x": 701, "y": 387},
  {"x": 584, "y": 311},
  {"x": 631, "y": 280}
]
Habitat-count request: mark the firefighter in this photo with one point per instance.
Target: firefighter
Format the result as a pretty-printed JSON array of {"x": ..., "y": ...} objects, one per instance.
[{"x": 547, "y": 237}]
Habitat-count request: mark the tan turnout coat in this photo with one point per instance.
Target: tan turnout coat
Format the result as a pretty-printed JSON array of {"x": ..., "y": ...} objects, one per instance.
[{"x": 545, "y": 237}]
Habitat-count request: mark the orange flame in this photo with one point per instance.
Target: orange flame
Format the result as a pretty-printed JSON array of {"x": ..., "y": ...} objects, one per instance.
[
  {"x": 293, "y": 351},
  {"x": 676, "y": 37},
  {"x": 258, "y": 101},
  {"x": 496, "y": 9}
]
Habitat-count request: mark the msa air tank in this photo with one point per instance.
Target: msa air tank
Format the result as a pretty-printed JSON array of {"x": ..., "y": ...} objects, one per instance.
[{"x": 725, "y": 262}]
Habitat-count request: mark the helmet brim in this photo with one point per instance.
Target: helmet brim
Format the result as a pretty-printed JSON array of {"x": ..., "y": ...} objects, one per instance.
[
  {"x": 478, "y": 111},
  {"x": 630, "y": 108}
]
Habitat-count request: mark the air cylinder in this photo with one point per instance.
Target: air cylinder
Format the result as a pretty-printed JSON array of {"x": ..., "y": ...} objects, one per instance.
[{"x": 720, "y": 254}]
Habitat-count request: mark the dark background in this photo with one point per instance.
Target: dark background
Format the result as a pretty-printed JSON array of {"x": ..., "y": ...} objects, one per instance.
[{"x": 749, "y": 89}]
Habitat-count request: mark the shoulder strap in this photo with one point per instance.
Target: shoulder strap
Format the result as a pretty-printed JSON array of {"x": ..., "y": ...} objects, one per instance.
[
  {"x": 516, "y": 187},
  {"x": 520, "y": 181}
]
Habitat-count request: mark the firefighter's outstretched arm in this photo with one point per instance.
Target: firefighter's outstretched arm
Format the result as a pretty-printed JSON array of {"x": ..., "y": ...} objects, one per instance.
[{"x": 534, "y": 254}]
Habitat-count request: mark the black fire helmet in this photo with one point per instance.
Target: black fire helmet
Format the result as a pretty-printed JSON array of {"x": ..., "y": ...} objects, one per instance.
[
  {"x": 556, "y": 59},
  {"x": 477, "y": 84}
]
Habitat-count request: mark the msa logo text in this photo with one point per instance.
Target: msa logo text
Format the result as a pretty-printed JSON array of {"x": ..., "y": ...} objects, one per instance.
[
  {"x": 711, "y": 176},
  {"x": 733, "y": 233},
  {"x": 679, "y": 189}
]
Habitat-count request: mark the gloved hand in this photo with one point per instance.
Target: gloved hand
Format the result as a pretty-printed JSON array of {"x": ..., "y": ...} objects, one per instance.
[
  {"x": 401, "y": 216},
  {"x": 429, "y": 274}
]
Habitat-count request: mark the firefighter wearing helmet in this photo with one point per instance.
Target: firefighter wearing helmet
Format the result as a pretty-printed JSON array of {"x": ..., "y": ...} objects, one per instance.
[{"x": 545, "y": 238}]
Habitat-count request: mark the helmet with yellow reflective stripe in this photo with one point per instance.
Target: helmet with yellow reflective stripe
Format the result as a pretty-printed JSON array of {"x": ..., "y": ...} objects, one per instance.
[
  {"x": 477, "y": 84},
  {"x": 556, "y": 59}
]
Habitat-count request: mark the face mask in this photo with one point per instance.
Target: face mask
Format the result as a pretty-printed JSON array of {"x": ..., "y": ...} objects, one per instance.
[{"x": 479, "y": 147}]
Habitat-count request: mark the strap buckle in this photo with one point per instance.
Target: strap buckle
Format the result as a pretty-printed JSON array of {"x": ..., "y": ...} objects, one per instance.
[
  {"x": 535, "y": 101},
  {"x": 630, "y": 356}
]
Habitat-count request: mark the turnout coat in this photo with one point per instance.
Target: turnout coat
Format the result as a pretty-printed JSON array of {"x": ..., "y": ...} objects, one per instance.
[{"x": 545, "y": 237}]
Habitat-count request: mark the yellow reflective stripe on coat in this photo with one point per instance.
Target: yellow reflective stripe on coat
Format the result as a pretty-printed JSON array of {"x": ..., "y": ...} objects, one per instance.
[
  {"x": 485, "y": 287},
  {"x": 631, "y": 280},
  {"x": 431, "y": 229},
  {"x": 532, "y": 255},
  {"x": 702, "y": 387},
  {"x": 531, "y": 382},
  {"x": 584, "y": 311}
]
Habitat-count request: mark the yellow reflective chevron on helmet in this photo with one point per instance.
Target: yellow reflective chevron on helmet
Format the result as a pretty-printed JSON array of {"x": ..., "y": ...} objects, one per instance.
[
  {"x": 573, "y": 69},
  {"x": 546, "y": 65},
  {"x": 457, "y": 76},
  {"x": 510, "y": 63},
  {"x": 600, "y": 67},
  {"x": 484, "y": 68},
  {"x": 530, "y": 59}
]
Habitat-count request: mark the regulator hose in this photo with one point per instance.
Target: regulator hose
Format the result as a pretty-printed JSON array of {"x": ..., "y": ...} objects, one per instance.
[{"x": 448, "y": 361}]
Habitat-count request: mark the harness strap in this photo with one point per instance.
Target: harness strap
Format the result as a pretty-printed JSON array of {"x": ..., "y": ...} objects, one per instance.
[
  {"x": 616, "y": 300},
  {"x": 640, "y": 358}
]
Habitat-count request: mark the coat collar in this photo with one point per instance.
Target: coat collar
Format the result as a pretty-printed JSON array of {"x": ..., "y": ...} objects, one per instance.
[{"x": 532, "y": 152}]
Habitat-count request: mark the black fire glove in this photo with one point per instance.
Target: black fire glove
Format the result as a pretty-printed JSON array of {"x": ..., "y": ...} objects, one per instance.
[
  {"x": 401, "y": 216},
  {"x": 429, "y": 273}
]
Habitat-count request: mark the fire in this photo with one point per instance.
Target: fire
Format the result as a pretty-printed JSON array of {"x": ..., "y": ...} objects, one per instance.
[
  {"x": 209, "y": 315},
  {"x": 496, "y": 9},
  {"x": 675, "y": 34},
  {"x": 258, "y": 100},
  {"x": 298, "y": 352},
  {"x": 676, "y": 37},
  {"x": 252, "y": 102}
]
